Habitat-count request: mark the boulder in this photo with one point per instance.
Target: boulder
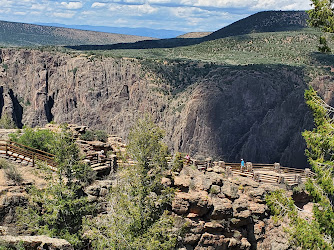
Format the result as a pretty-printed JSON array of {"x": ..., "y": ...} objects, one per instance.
[
  {"x": 191, "y": 239},
  {"x": 180, "y": 205},
  {"x": 230, "y": 190},
  {"x": 246, "y": 182},
  {"x": 93, "y": 190},
  {"x": 222, "y": 209},
  {"x": 166, "y": 182},
  {"x": 37, "y": 242},
  {"x": 260, "y": 210},
  {"x": 259, "y": 230},
  {"x": 215, "y": 189},
  {"x": 200, "y": 203},
  {"x": 257, "y": 193},
  {"x": 241, "y": 214},
  {"x": 182, "y": 181},
  {"x": 216, "y": 179},
  {"x": 218, "y": 169},
  {"x": 3, "y": 230},
  {"x": 213, "y": 227},
  {"x": 245, "y": 244},
  {"x": 212, "y": 241},
  {"x": 240, "y": 205}
]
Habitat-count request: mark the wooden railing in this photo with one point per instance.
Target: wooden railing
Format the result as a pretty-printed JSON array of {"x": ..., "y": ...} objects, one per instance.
[
  {"x": 271, "y": 173},
  {"x": 29, "y": 154}
]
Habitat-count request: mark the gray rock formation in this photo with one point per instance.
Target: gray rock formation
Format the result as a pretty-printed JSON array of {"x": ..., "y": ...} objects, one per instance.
[{"x": 227, "y": 112}]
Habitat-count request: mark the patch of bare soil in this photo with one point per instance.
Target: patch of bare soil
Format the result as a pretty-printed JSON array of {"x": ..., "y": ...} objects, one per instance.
[{"x": 30, "y": 175}]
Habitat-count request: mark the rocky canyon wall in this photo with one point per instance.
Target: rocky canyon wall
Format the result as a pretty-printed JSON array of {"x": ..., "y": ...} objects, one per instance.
[{"x": 227, "y": 112}]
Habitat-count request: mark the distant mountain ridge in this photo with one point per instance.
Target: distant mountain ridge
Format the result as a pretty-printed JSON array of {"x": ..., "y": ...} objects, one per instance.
[
  {"x": 146, "y": 32},
  {"x": 23, "y": 34},
  {"x": 266, "y": 21}
]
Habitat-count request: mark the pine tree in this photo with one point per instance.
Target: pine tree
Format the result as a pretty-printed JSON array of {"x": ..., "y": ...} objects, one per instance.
[
  {"x": 322, "y": 16},
  {"x": 320, "y": 153},
  {"x": 138, "y": 216},
  {"x": 317, "y": 233}
]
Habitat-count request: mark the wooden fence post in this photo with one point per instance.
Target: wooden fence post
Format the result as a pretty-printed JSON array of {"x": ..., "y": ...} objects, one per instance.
[
  {"x": 33, "y": 159},
  {"x": 249, "y": 166},
  {"x": 277, "y": 167}
]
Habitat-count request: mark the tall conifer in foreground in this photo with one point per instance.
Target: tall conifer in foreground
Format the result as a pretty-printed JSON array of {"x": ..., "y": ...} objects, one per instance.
[
  {"x": 137, "y": 216},
  {"x": 320, "y": 153}
]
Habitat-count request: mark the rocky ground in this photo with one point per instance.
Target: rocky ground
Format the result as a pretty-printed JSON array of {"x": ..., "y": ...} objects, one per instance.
[
  {"x": 219, "y": 212},
  {"x": 225, "y": 213}
]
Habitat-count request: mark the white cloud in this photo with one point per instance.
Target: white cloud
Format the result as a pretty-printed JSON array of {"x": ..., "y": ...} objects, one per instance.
[
  {"x": 252, "y": 4},
  {"x": 20, "y": 13},
  {"x": 98, "y": 5},
  {"x": 132, "y": 10},
  {"x": 6, "y": 3},
  {"x": 38, "y": 6},
  {"x": 63, "y": 15},
  {"x": 72, "y": 5}
]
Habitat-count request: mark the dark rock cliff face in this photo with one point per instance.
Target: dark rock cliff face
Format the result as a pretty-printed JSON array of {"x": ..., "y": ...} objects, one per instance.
[{"x": 253, "y": 112}]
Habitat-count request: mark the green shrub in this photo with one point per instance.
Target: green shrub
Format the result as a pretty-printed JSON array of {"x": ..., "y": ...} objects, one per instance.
[
  {"x": 88, "y": 136},
  {"x": 101, "y": 135},
  {"x": 8, "y": 246},
  {"x": 177, "y": 162},
  {"x": 6, "y": 122},
  {"x": 4, "y": 163},
  {"x": 13, "y": 174},
  {"x": 91, "y": 135},
  {"x": 41, "y": 139}
]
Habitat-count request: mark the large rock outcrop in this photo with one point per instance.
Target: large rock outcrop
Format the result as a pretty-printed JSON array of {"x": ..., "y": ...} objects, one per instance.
[
  {"x": 221, "y": 213},
  {"x": 228, "y": 112}
]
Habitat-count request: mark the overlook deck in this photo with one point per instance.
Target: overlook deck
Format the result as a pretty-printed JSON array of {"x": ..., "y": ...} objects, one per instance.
[{"x": 267, "y": 173}]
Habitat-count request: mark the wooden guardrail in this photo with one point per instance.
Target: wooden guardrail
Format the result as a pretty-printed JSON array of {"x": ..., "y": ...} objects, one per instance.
[
  {"x": 29, "y": 154},
  {"x": 270, "y": 173}
]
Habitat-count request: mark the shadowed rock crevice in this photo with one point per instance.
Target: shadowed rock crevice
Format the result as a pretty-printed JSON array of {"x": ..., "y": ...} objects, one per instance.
[
  {"x": 48, "y": 108},
  {"x": 17, "y": 109},
  {"x": 1, "y": 100}
]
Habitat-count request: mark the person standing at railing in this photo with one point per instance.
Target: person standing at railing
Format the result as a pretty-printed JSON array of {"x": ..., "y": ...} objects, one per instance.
[
  {"x": 187, "y": 159},
  {"x": 242, "y": 165},
  {"x": 101, "y": 156}
]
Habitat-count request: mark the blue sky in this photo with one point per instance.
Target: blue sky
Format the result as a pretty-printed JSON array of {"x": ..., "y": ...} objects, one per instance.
[{"x": 183, "y": 15}]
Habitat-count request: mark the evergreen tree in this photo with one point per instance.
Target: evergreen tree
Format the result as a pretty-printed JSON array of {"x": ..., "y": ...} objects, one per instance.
[
  {"x": 137, "y": 217},
  {"x": 320, "y": 153},
  {"x": 316, "y": 233},
  {"x": 57, "y": 210},
  {"x": 322, "y": 16}
]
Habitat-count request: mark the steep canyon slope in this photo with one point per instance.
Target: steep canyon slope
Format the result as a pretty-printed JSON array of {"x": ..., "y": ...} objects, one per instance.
[{"x": 255, "y": 112}]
